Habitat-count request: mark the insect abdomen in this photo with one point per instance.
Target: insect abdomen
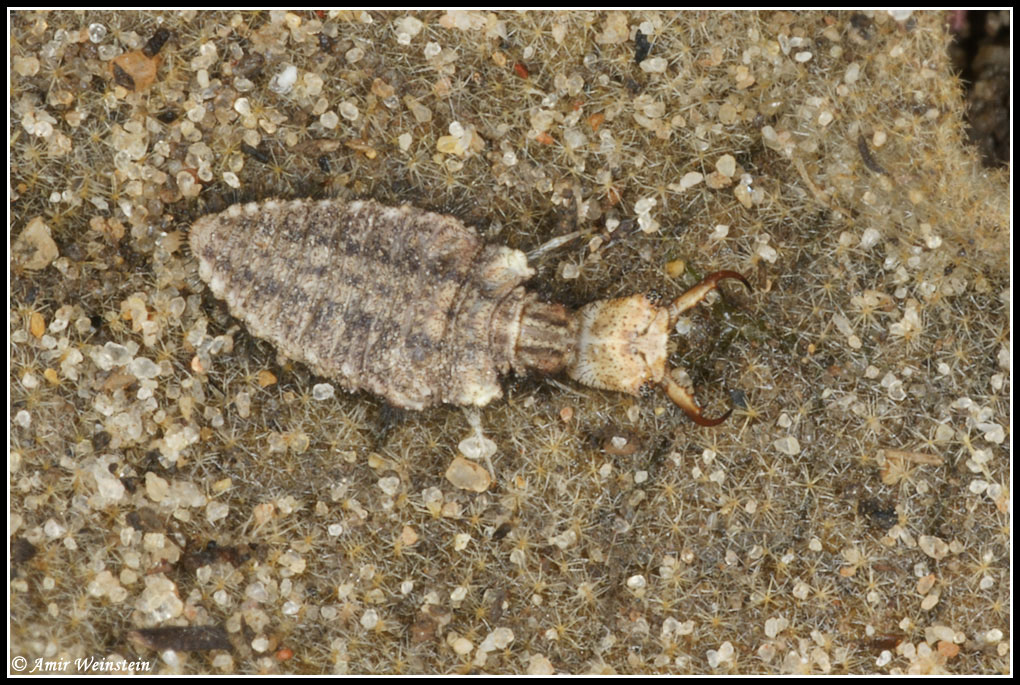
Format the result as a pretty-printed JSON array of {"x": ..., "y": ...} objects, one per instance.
[{"x": 407, "y": 304}]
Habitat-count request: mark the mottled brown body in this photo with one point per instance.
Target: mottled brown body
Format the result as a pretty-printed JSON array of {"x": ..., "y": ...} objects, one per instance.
[
  {"x": 413, "y": 306},
  {"x": 407, "y": 304}
]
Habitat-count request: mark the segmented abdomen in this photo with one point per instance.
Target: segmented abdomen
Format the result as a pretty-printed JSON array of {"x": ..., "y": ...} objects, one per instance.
[{"x": 407, "y": 304}]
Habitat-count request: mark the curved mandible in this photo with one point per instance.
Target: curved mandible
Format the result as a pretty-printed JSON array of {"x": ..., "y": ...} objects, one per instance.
[
  {"x": 680, "y": 395},
  {"x": 684, "y": 399}
]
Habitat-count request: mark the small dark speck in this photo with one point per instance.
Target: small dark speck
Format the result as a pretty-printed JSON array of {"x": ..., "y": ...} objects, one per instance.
[
  {"x": 326, "y": 44},
  {"x": 22, "y": 550},
  {"x": 497, "y": 606},
  {"x": 122, "y": 78},
  {"x": 738, "y": 398},
  {"x": 182, "y": 638},
  {"x": 75, "y": 251},
  {"x": 250, "y": 65},
  {"x": 323, "y": 163},
  {"x": 255, "y": 153},
  {"x": 155, "y": 44},
  {"x": 641, "y": 47},
  {"x": 862, "y": 23},
  {"x": 145, "y": 520},
  {"x": 168, "y": 115},
  {"x": 100, "y": 440},
  {"x": 880, "y": 513},
  {"x": 869, "y": 161},
  {"x": 202, "y": 556}
]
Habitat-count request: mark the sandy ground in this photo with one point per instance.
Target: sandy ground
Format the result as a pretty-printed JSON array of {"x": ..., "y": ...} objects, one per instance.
[{"x": 184, "y": 501}]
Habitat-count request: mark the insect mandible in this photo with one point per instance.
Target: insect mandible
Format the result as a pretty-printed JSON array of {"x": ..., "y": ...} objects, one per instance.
[{"x": 415, "y": 307}]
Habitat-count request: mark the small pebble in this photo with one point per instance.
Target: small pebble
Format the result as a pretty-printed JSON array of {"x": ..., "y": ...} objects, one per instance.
[
  {"x": 284, "y": 80},
  {"x": 933, "y": 546},
  {"x": 654, "y": 65},
  {"x": 500, "y": 638},
  {"x": 721, "y": 656},
  {"x": 389, "y": 485},
  {"x": 477, "y": 446},
  {"x": 97, "y": 32},
  {"x": 329, "y": 120},
  {"x": 407, "y": 28},
  {"x": 35, "y": 248},
  {"x": 322, "y": 391},
  {"x": 462, "y": 646},
  {"x": 726, "y": 165},
  {"x": 134, "y": 70},
  {"x": 349, "y": 111},
  {"x": 142, "y": 367},
  {"x": 539, "y": 664},
  {"x": 370, "y": 619},
  {"x": 25, "y": 66},
  {"x": 788, "y": 445},
  {"x": 691, "y": 179},
  {"x": 992, "y": 636},
  {"x": 467, "y": 475},
  {"x": 214, "y": 511}
]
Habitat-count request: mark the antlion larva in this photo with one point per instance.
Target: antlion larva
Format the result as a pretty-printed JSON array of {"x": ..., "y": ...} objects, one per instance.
[{"x": 415, "y": 307}]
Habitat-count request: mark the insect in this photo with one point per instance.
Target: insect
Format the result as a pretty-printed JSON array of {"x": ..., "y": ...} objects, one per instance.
[{"x": 415, "y": 307}]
